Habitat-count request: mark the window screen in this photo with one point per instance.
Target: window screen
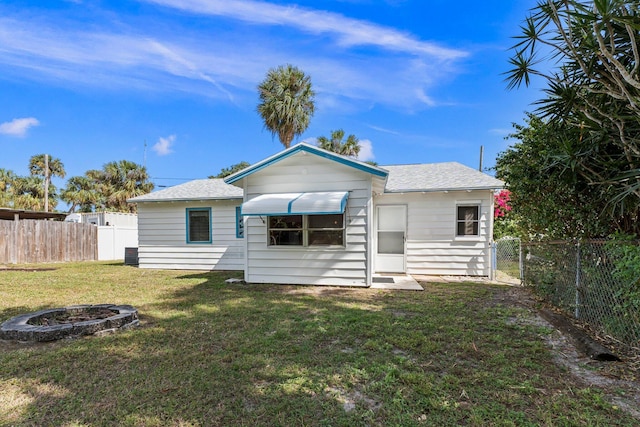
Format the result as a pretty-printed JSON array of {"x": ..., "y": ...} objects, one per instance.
[
  {"x": 306, "y": 230},
  {"x": 468, "y": 221},
  {"x": 199, "y": 225}
]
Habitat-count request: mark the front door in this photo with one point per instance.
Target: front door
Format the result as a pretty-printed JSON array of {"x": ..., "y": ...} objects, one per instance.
[{"x": 391, "y": 229}]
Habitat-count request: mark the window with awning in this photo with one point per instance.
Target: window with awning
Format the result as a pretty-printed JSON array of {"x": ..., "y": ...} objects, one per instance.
[
  {"x": 306, "y": 230},
  {"x": 312, "y": 203},
  {"x": 301, "y": 219}
]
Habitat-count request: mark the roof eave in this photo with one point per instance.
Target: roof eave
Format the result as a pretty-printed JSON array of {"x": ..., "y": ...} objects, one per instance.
[
  {"x": 302, "y": 147},
  {"x": 185, "y": 199},
  {"x": 442, "y": 190}
]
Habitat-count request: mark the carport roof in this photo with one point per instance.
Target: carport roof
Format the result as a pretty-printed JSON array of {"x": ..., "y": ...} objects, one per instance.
[{"x": 11, "y": 214}]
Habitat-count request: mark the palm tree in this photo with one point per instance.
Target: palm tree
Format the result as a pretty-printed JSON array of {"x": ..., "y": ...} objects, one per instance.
[
  {"x": 122, "y": 180},
  {"x": 44, "y": 166},
  {"x": 7, "y": 177},
  {"x": 28, "y": 193},
  {"x": 286, "y": 102},
  {"x": 37, "y": 166},
  {"x": 80, "y": 191},
  {"x": 351, "y": 147}
]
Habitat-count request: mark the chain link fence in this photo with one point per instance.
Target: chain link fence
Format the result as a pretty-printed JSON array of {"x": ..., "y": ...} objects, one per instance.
[
  {"x": 596, "y": 282},
  {"x": 507, "y": 253}
]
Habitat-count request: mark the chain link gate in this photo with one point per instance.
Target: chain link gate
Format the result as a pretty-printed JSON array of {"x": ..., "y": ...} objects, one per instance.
[{"x": 507, "y": 257}]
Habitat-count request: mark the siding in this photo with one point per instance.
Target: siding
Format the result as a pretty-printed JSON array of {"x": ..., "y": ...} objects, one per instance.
[
  {"x": 162, "y": 241},
  {"x": 312, "y": 265},
  {"x": 432, "y": 247}
]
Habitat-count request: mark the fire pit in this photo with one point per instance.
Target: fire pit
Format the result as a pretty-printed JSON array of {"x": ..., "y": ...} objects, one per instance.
[{"x": 77, "y": 320}]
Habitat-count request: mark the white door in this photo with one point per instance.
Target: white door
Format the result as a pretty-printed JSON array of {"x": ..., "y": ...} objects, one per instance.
[{"x": 391, "y": 229}]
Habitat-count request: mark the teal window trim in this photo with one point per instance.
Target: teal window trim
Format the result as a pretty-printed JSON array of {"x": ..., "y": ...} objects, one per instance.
[
  {"x": 188, "y": 223},
  {"x": 239, "y": 223}
]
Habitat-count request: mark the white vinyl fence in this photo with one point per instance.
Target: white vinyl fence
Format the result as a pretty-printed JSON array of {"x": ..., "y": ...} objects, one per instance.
[{"x": 113, "y": 239}]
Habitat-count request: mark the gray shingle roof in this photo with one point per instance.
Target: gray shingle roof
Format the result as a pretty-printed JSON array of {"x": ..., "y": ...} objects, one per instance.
[
  {"x": 200, "y": 189},
  {"x": 402, "y": 178},
  {"x": 438, "y": 177}
]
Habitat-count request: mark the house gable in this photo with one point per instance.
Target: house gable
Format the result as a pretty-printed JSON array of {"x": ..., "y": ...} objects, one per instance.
[{"x": 310, "y": 149}]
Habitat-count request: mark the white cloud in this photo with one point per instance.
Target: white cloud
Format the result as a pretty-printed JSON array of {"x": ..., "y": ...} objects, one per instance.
[
  {"x": 228, "y": 63},
  {"x": 163, "y": 146},
  {"x": 18, "y": 127},
  {"x": 366, "y": 151},
  {"x": 348, "y": 31}
]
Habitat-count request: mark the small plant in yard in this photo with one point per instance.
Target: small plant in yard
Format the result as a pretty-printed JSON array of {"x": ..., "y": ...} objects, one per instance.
[{"x": 208, "y": 353}]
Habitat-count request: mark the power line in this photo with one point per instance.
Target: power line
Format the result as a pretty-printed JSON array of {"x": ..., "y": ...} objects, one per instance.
[{"x": 175, "y": 179}]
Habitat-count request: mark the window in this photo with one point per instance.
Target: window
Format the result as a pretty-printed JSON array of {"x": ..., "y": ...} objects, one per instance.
[
  {"x": 239, "y": 223},
  {"x": 199, "y": 225},
  {"x": 285, "y": 230},
  {"x": 468, "y": 221},
  {"x": 306, "y": 230},
  {"x": 325, "y": 230}
]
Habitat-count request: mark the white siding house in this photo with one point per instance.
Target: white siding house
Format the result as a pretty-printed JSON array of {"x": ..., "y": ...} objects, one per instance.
[
  {"x": 309, "y": 216},
  {"x": 300, "y": 171},
  {"x": 191, "y": 227}
]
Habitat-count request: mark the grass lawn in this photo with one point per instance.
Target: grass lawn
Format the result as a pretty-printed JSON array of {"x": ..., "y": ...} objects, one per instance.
[{"x": 214, "y": 354}]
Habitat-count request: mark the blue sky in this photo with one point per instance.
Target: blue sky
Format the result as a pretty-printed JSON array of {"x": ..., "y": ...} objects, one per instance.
[{"x": 418, "y": 81}]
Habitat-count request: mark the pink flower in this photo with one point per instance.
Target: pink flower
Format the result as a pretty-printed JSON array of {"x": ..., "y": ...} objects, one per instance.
[{"x": 502, "y": 205}]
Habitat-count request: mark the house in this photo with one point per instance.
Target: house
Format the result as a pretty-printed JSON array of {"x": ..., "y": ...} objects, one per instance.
[
  {"x": 310, "y": 216},
  {"x": 192, "y": 226}
]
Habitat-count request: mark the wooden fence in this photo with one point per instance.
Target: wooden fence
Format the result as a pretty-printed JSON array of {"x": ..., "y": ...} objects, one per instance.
[{"x": 35, "y": 241}]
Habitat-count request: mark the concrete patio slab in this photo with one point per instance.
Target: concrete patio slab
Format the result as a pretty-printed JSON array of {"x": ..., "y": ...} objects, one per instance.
[{"x": 396, "y": 282}]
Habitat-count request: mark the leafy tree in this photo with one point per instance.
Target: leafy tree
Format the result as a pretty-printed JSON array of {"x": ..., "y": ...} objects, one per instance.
[
  {"x": 350, "y": 147},
  {"x": 286, "y": 102},
  {"x": 224, "y": 172},
  {"x": 80, "y": 192},
  {"x": 548, "y": 194},
  {"x": 593, "y": 91}
]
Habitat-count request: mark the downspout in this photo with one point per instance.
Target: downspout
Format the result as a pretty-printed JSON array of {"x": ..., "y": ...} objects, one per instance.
[
  {"x": 369, "y": 254},
  {"x": 245, "y": 221}
]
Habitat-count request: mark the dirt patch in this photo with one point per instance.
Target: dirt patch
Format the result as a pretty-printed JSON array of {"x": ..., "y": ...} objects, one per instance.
[{"x": 618, "y": 379}]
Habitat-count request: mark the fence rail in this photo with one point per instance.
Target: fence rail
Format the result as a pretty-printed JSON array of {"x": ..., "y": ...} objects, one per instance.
[
  {"x": 596, "y": 282},
  {"x": 34, "y": 241}
]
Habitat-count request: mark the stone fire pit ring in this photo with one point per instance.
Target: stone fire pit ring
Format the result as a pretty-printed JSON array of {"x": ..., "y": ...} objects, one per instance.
[{"x": 43, "y": 326}]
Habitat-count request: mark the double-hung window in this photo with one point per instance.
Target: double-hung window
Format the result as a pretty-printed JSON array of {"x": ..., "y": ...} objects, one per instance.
[
  {"x": 306, "y": 230},
  {"x": 199, "y": 225},
  {"x": 468, "y": 220}
]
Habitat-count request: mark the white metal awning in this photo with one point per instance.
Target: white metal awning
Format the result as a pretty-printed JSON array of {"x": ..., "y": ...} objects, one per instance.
[{"x": 327, "y": 202}]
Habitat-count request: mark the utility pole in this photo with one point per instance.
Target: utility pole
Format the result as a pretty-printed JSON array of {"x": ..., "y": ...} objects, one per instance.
[{"x": 46, "y": 183}]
